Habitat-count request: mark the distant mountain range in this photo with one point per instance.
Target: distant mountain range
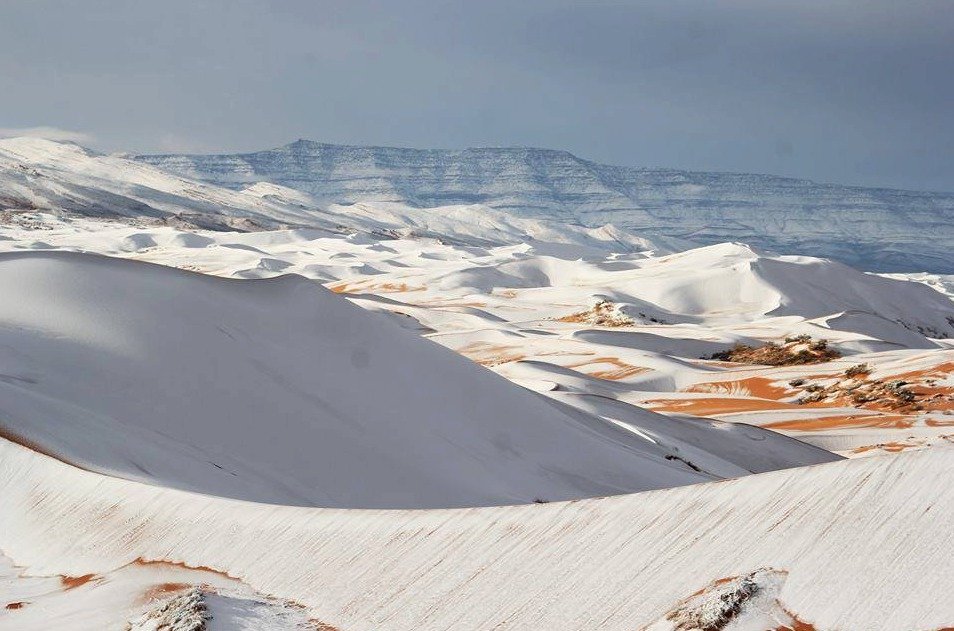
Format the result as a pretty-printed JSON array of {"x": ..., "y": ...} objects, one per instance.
[{"x": 871, "y": 228}]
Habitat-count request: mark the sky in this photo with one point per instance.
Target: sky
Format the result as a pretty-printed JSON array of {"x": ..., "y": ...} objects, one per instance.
[{"x": 855, "y": 92}]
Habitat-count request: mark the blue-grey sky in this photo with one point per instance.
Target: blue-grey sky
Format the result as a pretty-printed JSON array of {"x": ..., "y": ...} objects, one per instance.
[{"x": 856, "y": 92}]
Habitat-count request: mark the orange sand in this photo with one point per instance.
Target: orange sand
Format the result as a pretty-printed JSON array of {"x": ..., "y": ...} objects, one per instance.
[
  {"x": 622, "y": 370},
  {"x": 491, "y": 354},
  {"x": 370, "y": 287},
  {"x": 72, "y": 582},
  {"x": 761, "y": 387},
  {"x": 895, "y": 421}
]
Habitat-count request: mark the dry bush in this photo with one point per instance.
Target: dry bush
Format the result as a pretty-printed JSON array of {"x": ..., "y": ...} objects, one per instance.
[{"x": 795, "y": 351}]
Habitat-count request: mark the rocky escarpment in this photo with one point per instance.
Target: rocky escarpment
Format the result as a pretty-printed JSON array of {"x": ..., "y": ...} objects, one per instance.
[{"x": 875, "y": 229}]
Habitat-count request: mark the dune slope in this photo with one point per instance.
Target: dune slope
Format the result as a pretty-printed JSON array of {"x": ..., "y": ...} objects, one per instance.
[
  {"x": 281, "y": 391},
  {"x": 858, "y": 544}
]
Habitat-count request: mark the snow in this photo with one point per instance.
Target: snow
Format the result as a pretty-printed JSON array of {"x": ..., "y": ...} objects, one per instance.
[
  {"x": 221, "y": 424},
  {"x": 38, "y": 174},
  {"x": 131, "y": 597},
  {"x": 501, "y": 306},
  {"x": 874, "y": 229},
  {"x": 260, "y": 390},
  {"x": 862, "y": 541}
]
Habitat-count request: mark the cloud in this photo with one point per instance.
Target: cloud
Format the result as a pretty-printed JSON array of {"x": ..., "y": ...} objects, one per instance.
[{"x": 50, "y": 133}]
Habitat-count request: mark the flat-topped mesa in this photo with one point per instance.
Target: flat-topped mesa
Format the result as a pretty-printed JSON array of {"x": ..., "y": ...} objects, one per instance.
[{"x": 872, "y": 228}]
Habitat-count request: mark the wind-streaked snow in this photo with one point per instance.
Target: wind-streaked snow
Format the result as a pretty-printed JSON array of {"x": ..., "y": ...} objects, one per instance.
[{"x": 863, "y": 544}]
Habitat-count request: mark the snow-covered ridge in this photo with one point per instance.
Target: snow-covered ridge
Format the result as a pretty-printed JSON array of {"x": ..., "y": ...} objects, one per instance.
[
  {"x": 874, "y": 229},
  {"x": 59, "y": 176},
  {"x": 835, "y": 539},
  {"x": 38, "y": 174}
]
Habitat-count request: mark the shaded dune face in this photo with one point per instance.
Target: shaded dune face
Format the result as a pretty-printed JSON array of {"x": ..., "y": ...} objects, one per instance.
[{"x": 280, "y": 391}]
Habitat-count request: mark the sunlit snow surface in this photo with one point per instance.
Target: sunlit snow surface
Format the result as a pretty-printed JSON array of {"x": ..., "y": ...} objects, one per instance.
[
  {"x": 863, "y": 544},
  {"x": 142, "y": 407}
]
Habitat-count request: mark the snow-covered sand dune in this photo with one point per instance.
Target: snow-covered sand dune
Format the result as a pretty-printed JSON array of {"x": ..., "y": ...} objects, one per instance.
[
  {"x": 509, "y": 307},
  {"x": 281, "y": 391},
  {"x": 860, "y": 544}
]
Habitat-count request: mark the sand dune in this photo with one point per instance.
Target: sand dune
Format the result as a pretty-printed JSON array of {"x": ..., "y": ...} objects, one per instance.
[{"x": 837, "y": 537}]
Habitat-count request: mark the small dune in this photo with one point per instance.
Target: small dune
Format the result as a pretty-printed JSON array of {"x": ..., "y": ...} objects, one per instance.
[
  {"x": 620, "y": 370},
  {"x": 487, "y": 354}
]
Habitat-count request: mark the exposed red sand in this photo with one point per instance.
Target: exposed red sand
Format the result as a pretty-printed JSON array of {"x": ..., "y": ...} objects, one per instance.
[
  {"x": 937, "y": 372},
  {"x": 761, "y": 387},
  {"x": 181, "y": 564},
  {"x": 709, "y": 406},
  {"x": 794, "y": 623},
  {"x": 72, "y": 582},
  {"x": 688, "y": 618},
  {"x": 931, "y": 397},
  {"x": 892, "y": 447},
  {"x": 894, "y": 421},
  {"x": 161, "y": 590},
  {"x": 491, "y": 354},
  {"x": 452, "y": 303},
  {"x": 766, "y": 395},
  {"x": 622, "y": 370},
  {"x": 370, "y": 287},
  {"x": 927, "y": 396},
  {"x": 719, "y": 363}
]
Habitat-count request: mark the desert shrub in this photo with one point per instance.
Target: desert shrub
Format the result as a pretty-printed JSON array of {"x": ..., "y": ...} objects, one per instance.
[
  {"x": 772, "y": 354},
  {"x": 794, "y": 339},
  {"x": 857, "y": 370}
]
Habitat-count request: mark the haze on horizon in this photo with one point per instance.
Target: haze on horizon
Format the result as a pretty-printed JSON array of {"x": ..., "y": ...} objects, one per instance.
[{"x": 855, "y": 93}]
